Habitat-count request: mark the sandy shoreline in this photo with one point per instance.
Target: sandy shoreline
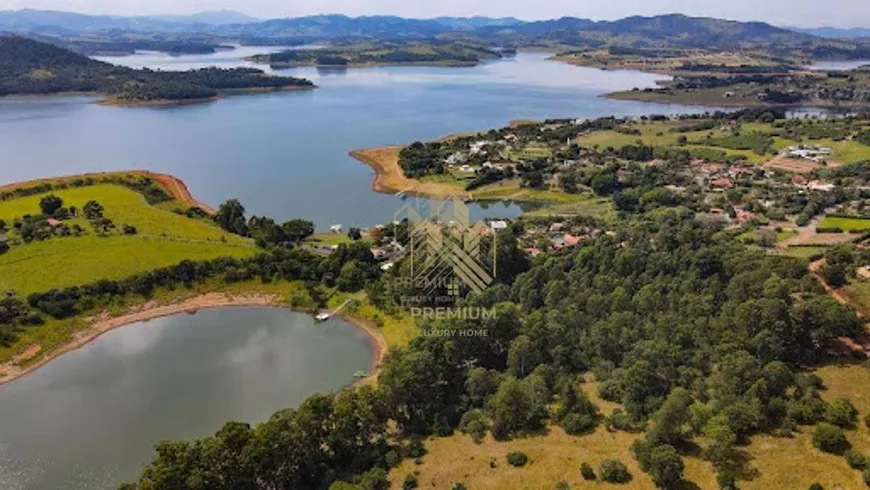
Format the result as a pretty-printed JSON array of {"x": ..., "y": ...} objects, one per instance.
[
  {"x": 172, "y": 184},
  {"x": 390, "y": 179},
  {"x": 10, "y": 371}
]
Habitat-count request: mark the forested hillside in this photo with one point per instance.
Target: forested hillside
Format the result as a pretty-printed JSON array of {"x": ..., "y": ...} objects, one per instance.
[
  {"x": 702, "y": 340},
  {"x": 32, "y": 67}
]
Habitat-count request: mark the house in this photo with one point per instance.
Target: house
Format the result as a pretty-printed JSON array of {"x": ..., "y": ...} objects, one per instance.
[
  {"x": 387, "y": 266},
  {"x": 818, "y": 185},
  {"x": 799, "y": 180},
  {"x": 722, "y": 183},
  {"x": 498, "y": 225},
  {"x": 571, "y": 240},
  {"x": 478, "y": 147},
  {"x": 335, "y": 228},
  {"x": 556, "y": 227},
  {"x": 744, "y": 216},
  {"x": 455, "y": 158},
  {"x": 534, "y": 252},
  {"x": 379, "y": 254},
  {"x": 54, "y": 222}
]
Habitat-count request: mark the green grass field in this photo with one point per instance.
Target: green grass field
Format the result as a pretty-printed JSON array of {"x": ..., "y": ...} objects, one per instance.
[
  {"x": 846, "y": 224},
  {"x": 124, "y": 206},
  {"x": 659, "y": 134},
  {"x": 164, "y": 238}
]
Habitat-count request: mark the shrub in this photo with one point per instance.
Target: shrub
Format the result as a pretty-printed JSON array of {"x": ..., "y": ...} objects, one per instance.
[
  {"x": 576, "y": 424},
  {"x": 587, "y": 471},
  {"x": 375, "y": 479},
  {"x": 415, "y": 448},
  {"x": 866, "y": 476},
  {"x": 392, "y": 459},
  {"x": 867, "y": 421},
  {"x": 410, "y": 482},
  {"x": 459, "y": 486},
  {"x": 517, "y": 459},
  {"x": 563, "y": 485},
  {"x": 842, "y": 413},
  {"x": 830, "y": 439},
  {"x": 614, "y": 471},
  {"x": 856, "y": 459},
  {"x": 817, "y": 486}
]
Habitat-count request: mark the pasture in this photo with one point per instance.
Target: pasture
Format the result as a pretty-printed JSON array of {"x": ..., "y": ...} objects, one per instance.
[{"x": 163, "y": 238}]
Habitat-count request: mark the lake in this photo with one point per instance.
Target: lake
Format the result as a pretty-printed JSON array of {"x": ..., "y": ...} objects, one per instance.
[
  {"x": 89, "y": 419},
  {"x": 286, "y": 154}
]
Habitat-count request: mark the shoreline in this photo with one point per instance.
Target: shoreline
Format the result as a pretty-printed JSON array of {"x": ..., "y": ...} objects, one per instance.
[
  {"x": 110, "y": 101},
  {"x": 107, "y": 100},
  {"x": 390, "y": 179},
  {"x": 176, "y": 187},
  {"x": 148, "y": 311}
]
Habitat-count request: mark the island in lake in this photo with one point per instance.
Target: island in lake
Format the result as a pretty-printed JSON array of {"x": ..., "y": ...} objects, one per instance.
[
  {"x": 383, "y": 53},
  {"x": 29, "y": 67}
]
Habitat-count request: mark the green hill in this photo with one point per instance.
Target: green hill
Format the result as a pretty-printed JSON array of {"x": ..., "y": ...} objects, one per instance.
[{"x": 32, "y": 67}]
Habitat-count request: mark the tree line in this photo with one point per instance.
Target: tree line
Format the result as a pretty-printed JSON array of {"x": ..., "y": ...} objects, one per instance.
[{"x": 700, "y": 339}]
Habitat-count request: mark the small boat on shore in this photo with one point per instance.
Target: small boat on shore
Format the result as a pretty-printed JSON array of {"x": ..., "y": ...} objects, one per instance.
[
  {"x": 322, "y": 317},
  {"x": 360, "y": 375}
]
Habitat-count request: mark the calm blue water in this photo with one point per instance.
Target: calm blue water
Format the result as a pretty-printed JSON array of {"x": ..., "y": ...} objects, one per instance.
[
  {"x": 286, "y": 154},
  {"x": 90, "y": 419}
]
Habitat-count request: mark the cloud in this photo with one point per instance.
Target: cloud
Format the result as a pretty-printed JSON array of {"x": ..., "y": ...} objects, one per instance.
[{"x": 841, "y": 13}]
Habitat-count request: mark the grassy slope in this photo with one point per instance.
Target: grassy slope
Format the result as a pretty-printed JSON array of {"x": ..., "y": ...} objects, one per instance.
[
  {"x": 846, "y": 224},
  {"x": 657, "y": 134},
  {"x": 164, "y": 238}
]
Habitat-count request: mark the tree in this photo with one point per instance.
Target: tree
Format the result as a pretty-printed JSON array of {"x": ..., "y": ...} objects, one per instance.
[
  {"x": 614, "y": 471},
  {"x": 517, "y": 459},
  {"x": 49, "y": 204},
  {"x": 666, "y": 466},
  {"x": 354, "y": 234},
  {"x": 298, "y": 230},
  {"x": 842, "y": 413},
  {"x": 830, "y": 439},
  {"x": 230, "y": 216},
  {"x": 514, "y": 409},
  {"x": 93, "y": 210},
  {"x": 587, "y": 471}
]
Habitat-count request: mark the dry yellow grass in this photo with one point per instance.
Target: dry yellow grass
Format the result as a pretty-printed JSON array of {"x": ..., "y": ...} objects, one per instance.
[{"x": 778, "y": 462}]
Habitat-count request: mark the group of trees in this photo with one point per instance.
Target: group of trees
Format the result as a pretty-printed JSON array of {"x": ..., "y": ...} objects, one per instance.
[
  {"x": 699, "y": 339},
  {"x": 32, "y": 67},
  {"x": 265, "y": 231}
]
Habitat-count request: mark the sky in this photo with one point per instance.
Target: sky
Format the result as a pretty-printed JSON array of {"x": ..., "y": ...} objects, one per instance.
[{"x": 807, "y": 13}]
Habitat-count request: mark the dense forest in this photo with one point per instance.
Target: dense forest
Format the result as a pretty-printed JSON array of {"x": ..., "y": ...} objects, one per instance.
[
  {"x": 703, "y": 341},
  {"x": 32, "y": 67}
]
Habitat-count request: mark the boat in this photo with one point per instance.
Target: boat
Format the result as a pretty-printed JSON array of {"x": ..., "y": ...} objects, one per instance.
[
  {"x": 401, "y": 195},
  {"x": 360, "y": 374},
  {"x": 322, "y": 317}
]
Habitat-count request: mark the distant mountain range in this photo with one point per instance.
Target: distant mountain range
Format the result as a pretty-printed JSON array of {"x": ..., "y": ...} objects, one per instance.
[
  {"x": 49, "y": 21},
  {"x": 834, "y": 32},
  {"x": 672, "y": 30}
]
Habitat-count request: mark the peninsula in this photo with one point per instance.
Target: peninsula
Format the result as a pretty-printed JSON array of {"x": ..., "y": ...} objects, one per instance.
[
  {"x": 29, "y": 67},
  {"x": 381, "y": 54}
]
